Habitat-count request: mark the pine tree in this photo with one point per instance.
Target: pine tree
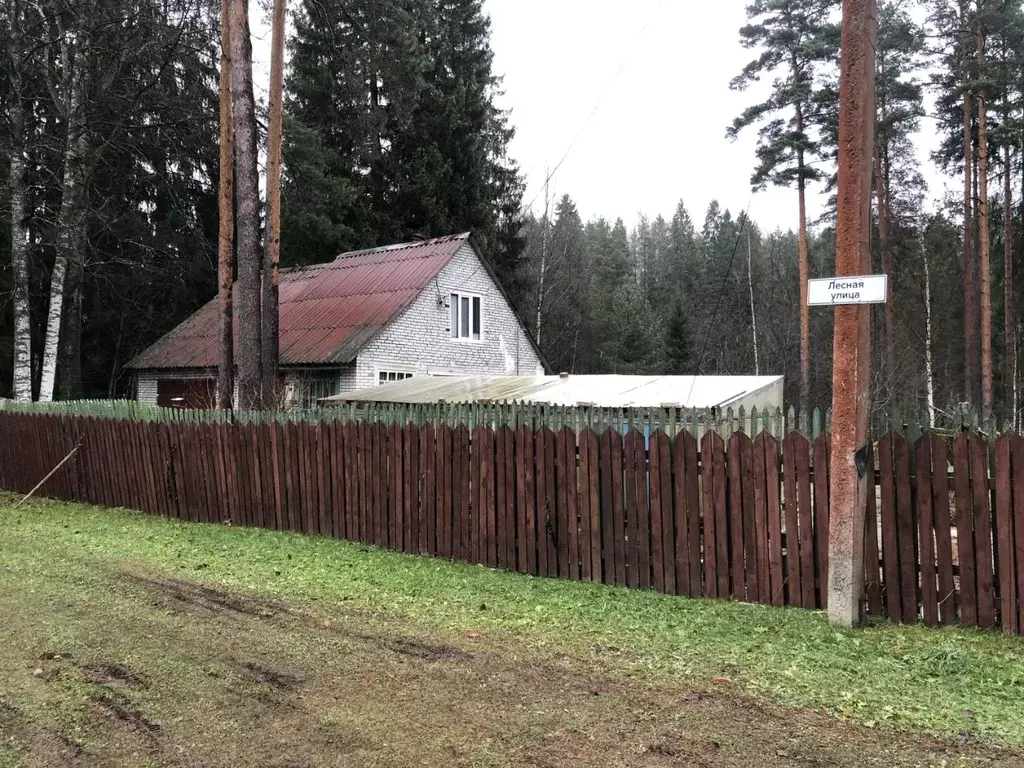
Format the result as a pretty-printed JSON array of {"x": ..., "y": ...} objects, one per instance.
[
  {"x": 247, "y": 211},
  {"x": 792, "y": 37}
]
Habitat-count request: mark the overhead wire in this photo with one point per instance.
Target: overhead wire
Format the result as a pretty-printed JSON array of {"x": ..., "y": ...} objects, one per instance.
[{"x": 597, "y": 105}]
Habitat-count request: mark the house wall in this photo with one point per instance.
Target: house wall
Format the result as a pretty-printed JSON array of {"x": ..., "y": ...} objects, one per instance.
[
  {"x": 419, "y": 342},
  {"x": 147, "y": 383}
]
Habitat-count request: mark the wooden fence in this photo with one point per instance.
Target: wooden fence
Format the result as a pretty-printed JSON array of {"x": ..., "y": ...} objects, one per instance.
[{"x": 741, "y": 518}]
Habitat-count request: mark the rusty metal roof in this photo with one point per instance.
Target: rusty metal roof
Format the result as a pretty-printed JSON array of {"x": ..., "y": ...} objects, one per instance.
[{"x": 328, "y": 312}]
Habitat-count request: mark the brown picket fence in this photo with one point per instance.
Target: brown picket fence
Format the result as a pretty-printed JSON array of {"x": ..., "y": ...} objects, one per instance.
[{"x": 743, "y": 518}]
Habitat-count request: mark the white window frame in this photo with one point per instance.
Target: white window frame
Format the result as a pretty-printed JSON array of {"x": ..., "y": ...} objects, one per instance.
[
  {"x": 393, "y": 373},
  {"x": 454, "y": 330}
]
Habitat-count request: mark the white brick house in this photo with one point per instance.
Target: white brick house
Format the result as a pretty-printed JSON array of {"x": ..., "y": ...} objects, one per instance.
[{"x": 426, "y": 308}]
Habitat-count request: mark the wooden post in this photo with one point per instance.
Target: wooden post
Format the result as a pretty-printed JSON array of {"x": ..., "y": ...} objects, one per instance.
[{"x": 851, "y": 367}]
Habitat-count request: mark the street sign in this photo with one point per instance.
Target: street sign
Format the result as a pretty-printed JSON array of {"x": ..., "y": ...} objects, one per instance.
[{"x": 865, "y": 289}]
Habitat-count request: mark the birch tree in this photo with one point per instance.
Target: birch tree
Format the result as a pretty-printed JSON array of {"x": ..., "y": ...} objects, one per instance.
[
  {"x": 66, "y": 82},
  {"x": 17, "y": 59}
]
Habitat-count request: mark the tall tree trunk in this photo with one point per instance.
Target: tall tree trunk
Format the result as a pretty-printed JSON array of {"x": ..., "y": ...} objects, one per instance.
[
  {"x": 226, "y": 205},
  {"x": 970, "y": 306},
  {"x": 272, "y": 244},
  {"x": 805, "y": 316},
  {"x": 247, "y": 219},
  {"x": 984, "y": 266},
  {"x": 69, "y": 368},
  {"x": 1009, "y": 322},
  {"x": 70, "y": 221},
  {"x": 19, "y": 235},
  {"x": 804, "y": 257},
  {"x": 928, "y": 358},
  {"x": 885, "y": 247}
]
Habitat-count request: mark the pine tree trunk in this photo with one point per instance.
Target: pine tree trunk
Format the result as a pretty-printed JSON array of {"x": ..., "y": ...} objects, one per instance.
[
  {"x": 19, "y": 248},
  {"x": 1009, "y": 322},
  {"x": 272, "y": 245},
  {"x": 984, "y": 266},
  {"x": 805, "y": 316},
  {"x": 970, "y": 308},
  {"x": 226, "y": 205},
  {"x": 247, "y": 224}
]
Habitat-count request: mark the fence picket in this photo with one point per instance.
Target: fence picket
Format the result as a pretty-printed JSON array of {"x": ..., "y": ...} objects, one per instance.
[
  {"x": 790, "y": 449},
  {"x": 822, "y": 448},
  {"x": 985, "y": 581},
  {"x": 905, "y": 530},
  {"x": 707, "y": 486},
  {"x": 926, "y": 528},
  {"x": 943, "y": 536},
  {"x": 736, "y": 529},
  {"x": 872, "y": 556},
  {"x": 1004, "y": 534},
  {"x": 1018, "y": 527},
  {"x": 890, "y": 545},
  {"x": 965, "y": 529}
]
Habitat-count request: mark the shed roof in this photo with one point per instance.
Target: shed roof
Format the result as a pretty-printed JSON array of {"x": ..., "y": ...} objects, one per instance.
[
  {"x": 602, "y": 391},
  {"x": 328, "y": 312}
]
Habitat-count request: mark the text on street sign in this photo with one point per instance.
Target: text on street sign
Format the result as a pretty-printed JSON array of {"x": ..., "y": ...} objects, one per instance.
[{"x": 863, "y": 289}]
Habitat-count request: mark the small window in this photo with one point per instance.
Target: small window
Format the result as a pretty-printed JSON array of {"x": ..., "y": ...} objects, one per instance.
[
  {"x": 467, "y": 316},
  {"x": 386, "y": 377},
  {"x": 314, "y": 387}
]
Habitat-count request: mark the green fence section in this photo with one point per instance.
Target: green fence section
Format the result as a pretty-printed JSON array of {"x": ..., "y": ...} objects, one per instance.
[{"x": 516, "y": 414}]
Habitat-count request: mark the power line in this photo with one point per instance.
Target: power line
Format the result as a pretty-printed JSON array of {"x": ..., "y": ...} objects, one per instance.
[{"x": 597, "y": 104}]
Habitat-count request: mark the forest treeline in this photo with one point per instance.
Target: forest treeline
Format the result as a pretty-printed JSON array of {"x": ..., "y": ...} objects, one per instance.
[{"x": 109, "y": 156}]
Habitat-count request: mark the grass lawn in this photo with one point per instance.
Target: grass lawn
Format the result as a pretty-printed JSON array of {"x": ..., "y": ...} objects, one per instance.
[{"x": 132, "y": 640}]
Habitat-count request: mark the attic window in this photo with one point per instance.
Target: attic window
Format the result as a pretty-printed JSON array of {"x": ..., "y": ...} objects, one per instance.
[
  {"x": 386, "y": 377},
  {"x": 467, "y": 316}
]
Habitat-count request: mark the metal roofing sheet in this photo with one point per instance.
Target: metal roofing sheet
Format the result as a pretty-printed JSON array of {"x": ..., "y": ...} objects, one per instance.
[
  {"x": 328, "y": 312},
  {"x": 604, "y": 391}
]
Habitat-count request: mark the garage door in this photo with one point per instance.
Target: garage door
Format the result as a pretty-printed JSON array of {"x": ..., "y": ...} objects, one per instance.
[{"x": 187, "y": 393}]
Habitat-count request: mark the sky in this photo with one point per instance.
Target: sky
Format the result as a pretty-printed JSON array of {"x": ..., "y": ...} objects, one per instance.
[
  {"x": 627, "y": 101},
  {"x": 638, "y": 93}
]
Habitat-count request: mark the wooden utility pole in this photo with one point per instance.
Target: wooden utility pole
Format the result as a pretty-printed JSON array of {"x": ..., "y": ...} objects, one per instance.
[
  {"x": 851, "y": 367},
  {"x": 226, "y": 205},
  {"x": 272, "y": 244}
]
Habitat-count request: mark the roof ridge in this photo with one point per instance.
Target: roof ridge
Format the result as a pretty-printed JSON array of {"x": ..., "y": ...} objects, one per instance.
[{"x": 458, "y": 236}]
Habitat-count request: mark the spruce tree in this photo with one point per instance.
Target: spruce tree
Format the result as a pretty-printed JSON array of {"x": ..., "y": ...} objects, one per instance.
[
  {"x": 679, "y": 352},
  {"x": 394, "y": 132}
]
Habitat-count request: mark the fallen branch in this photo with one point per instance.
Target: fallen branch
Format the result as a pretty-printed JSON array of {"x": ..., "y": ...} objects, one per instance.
[{"x": 51, "y": 473}]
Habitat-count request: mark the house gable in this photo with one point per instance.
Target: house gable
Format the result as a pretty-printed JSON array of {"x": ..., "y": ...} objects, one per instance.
[{"x": 420, "y": 342}]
